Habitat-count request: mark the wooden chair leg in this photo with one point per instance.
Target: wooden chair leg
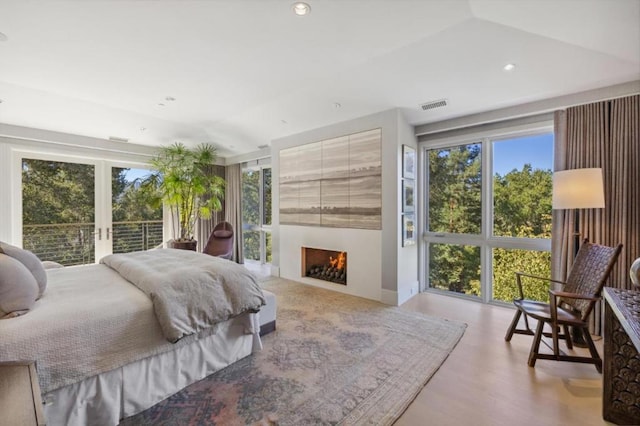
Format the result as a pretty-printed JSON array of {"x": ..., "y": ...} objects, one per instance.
[
  {"x": 592, "y": 350},
  {"x": 567, "y": 336},
  {"x": 554, "y": 337},
  {"x": 513, "y": 326},
  {"x": 535, "y": 346}
]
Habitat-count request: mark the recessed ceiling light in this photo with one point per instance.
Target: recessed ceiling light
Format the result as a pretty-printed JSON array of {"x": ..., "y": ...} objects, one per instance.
[
  {"x": 142, "y": 129},
  {"x": 336, "y": 105},
  {"x": 170, "y": 98},
  {"x": 509, "y": 67},
  {"x": 160, "y": 104},
  {"x": 3, "y": 37},
  {"x": 283, "y": 121},
  {"x": 301, "y": 8}
]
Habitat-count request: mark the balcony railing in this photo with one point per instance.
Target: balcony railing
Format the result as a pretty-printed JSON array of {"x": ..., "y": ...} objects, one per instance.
[
  {"x": 136, "y": 236},
  {"x": 74, "y": 243}
]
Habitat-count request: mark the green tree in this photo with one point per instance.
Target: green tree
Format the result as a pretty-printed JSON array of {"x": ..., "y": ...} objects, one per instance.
[
  {"x": 522, "y": 203},
  {"x": 57, "y": 192},
  {"x": 58, "y": 211},
  {"x": 455, "y": 190},
  {"x": 251, "y": 212},
  {"x": 522, "y": 208}
]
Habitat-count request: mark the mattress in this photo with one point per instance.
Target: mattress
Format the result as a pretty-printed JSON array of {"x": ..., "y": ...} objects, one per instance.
[{"x": 89, "y": 321}]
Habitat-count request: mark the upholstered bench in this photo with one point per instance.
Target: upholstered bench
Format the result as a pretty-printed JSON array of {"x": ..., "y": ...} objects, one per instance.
[{"x": 267, "y": 315}]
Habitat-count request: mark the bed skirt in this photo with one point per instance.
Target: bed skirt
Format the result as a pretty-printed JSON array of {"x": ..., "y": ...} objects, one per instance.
[{"x": 109, "y": 397}]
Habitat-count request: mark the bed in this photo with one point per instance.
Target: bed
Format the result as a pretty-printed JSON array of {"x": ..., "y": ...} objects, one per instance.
[{"x": 102, "y": 353}]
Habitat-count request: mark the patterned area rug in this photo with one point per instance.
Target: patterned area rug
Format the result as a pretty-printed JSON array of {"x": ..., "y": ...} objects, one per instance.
[{"x": 334, "y": 359}]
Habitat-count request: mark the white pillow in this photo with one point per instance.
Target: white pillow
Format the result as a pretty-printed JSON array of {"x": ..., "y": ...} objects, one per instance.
[
  {"x": 29, "y": 260},
  {"x": 18, "y": 287}
]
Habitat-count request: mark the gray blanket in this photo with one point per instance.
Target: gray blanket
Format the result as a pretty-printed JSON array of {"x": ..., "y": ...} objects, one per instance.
[{"x": 190, "y": 291}]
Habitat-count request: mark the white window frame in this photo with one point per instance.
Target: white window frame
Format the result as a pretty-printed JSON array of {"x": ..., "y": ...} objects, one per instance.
[
  {"x": 102, "y": 204},
  {"x": 485, "y": 239}
]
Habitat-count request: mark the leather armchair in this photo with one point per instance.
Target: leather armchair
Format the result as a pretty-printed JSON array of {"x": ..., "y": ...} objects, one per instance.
[{"x": 220, "y": 241}]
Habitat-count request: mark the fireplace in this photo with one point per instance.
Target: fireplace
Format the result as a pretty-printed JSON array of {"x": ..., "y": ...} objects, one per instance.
[{"x": 327, "y": 265}]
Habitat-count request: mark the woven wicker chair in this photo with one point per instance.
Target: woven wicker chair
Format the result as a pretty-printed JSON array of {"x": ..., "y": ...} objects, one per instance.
[{"x": 570, "y": 306}]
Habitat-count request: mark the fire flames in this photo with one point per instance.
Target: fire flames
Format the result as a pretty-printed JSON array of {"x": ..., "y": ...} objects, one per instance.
[{"x": 338, "y": 262}]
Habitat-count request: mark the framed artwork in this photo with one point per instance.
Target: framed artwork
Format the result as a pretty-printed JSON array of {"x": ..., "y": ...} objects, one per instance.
[
  {"x": 408, "y": 162},
  {"x": 408, "y": 198},
  {"x": 408, "y": 230}
]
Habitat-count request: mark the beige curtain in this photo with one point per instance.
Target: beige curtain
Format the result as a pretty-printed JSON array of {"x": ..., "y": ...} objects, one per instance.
[
  {"x": 603, "y": 134},
  {"x": 204, "y": 227},
  {"x": 233, "y": 211}
]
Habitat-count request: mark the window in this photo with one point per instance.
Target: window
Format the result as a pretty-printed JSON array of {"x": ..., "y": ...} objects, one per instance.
[
  {"x": 136, "y": 222},
  {"x": 256, "y": 214},
  {"x": 67, "y": 220},
  {"x": 488, "y": 214}
]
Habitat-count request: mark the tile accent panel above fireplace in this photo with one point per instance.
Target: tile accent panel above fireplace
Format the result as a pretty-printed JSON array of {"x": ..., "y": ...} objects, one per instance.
[{"x": 333, "y": 183}]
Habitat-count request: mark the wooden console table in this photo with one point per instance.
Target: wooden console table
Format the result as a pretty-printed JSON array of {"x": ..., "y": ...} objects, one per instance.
[{"x": 621, "y": 380}]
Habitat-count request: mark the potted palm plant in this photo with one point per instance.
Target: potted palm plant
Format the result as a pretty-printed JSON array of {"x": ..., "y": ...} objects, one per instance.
[{"x": 180, "y": 179}]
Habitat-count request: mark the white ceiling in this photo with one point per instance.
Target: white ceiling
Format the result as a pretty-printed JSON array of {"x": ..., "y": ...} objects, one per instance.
[{"x": 244, "y": 72}]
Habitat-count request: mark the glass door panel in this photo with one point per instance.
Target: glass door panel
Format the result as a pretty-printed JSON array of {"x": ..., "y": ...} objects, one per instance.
[
  {"x": 136, "y": 223},
  {"x": 58, "y": 210}
]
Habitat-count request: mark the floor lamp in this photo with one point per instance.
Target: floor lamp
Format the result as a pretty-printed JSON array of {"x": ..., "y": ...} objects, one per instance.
[{"x": 574, "y": 190}]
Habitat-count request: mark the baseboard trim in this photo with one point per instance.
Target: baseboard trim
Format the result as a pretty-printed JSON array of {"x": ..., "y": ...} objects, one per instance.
[
  {"x": 389, "y": 297},
  {"x": 275, "y": 271}
]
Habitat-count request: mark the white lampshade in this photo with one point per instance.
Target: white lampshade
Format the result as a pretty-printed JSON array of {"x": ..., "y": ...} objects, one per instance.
[{"x": 578, "y": 189}]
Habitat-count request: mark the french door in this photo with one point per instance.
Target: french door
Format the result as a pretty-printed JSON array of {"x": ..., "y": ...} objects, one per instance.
[{"x": 75, "y": 211}]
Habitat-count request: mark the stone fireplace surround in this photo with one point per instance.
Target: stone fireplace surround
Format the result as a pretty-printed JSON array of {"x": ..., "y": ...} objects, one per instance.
[{"x": 362, "y": 246}]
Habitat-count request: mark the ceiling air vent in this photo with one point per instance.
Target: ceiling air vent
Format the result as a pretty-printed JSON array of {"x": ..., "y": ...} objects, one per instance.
[
  {"x": 117, "y": 139},
  {"x": 433, "y": 104}
]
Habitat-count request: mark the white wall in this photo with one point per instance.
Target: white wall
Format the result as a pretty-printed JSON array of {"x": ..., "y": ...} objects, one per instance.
[
  {"x": 374, "y": 256},
  {"x": 407, "y": 256}
]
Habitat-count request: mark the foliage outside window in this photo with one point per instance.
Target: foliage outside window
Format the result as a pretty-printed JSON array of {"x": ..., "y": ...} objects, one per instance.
[
  {"x": 521, "y": 179},
  {"x": 455, "y": 189},
  {"x": 136, "y": 219},
  {"x": 256, "y": 214},
  {"x": 58, "y": 212}
]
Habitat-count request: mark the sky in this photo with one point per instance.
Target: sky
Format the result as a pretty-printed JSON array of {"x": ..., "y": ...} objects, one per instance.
[
  {"x": 514, "y": 153},
  {"x": 132, "y": 174}
]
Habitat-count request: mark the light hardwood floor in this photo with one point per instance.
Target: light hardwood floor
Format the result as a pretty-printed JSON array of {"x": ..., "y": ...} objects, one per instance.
[{"x": 486, "y": 381}]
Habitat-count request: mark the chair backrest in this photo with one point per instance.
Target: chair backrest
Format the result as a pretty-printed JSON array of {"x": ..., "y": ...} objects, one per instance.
[
  {"x": 220, "y": 241},
  {"x": 589, "y": 272}
]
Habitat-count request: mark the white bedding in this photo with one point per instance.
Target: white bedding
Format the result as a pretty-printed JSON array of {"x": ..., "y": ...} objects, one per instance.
[
  {"x": 89, "y": 321},
  {"x": 190, "y": 291}
]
